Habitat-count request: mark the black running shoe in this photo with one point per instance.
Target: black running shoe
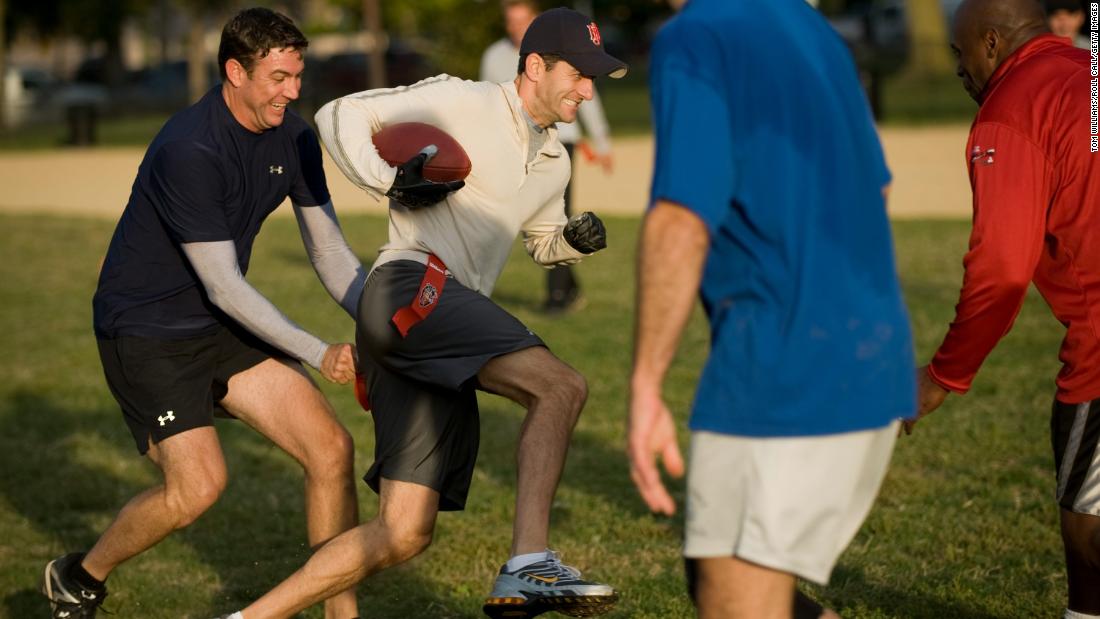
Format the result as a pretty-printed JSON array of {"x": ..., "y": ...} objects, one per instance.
[
  {"x": 547, "y": 585},
  {"x": 68, "y": 600}
]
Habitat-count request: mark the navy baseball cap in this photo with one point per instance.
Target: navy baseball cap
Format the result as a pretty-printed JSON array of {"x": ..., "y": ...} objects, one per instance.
[{"x": 573, "y": 36}]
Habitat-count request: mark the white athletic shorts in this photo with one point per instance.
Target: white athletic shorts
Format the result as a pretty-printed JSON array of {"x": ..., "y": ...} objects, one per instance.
[{"x": 791, "y": 503}]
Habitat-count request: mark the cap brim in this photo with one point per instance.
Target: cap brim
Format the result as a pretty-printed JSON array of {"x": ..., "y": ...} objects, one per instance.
[{"x": 597, "y": 64}]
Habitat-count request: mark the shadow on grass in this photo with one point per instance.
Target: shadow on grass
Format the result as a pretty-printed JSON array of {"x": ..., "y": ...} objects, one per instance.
[
  {"x": 251, "y": 539},
  {"x": 594, "y": 467},
  {"x": 58, "y": 493},
  {"x": 850, "y": 588}
]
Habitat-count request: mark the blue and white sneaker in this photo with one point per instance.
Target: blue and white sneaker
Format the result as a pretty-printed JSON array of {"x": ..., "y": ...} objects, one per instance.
[{"x": 547, "y": 585}]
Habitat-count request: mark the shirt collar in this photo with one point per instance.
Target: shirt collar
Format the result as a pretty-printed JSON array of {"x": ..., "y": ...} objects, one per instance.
[
  {"x": 1032, "y": 47},
  {"x": 522, "y": 120}
]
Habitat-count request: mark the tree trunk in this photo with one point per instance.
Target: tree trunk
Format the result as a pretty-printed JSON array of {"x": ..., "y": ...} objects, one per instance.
[
  {"x": 196, "y": 56},
  {"x": 376, "y": 44},
  {"x": 929, "y": 45},
  {"x": 3, "y": 70}
]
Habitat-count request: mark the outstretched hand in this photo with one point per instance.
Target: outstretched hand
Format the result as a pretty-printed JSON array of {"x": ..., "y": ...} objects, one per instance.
[
  {"x": 411, "y": 189},
  {"x": 651, "y": 434}
]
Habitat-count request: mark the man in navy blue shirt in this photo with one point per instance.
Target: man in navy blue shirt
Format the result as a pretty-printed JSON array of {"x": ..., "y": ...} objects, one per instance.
[
  {"x": 767, "y": 198},
  {"x": 181, "y": 333}
]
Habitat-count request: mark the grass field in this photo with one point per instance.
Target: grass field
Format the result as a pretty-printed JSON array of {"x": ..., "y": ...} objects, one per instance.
[
  {"x": 906, "y": 101},
  {"x": 964, "y": 527}
]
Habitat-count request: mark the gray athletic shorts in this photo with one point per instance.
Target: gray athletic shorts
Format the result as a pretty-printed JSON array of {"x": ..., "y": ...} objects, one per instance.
[
  {"x": 422, "y": 386},
  {"x": 1075, "y": 436}
]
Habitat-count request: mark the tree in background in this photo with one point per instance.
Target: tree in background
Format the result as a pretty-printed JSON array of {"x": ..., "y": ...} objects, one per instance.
[
  {"x": 3, "y": 66},
  {"x": 928, "y": 39},
  {"x": 453, "y": 33},
  {"x": 199, "y": 16}
]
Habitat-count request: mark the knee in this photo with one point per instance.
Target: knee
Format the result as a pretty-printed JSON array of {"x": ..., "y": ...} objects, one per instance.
[
  {"x": 331, "y": 454},
  {"x": 189, "y": 498},
  {"x": 1089, "y": 550},
  {"x": 1081, "y": 536},
  {"x": 406, "y": 542},
  {"x": 572, "y": 388}
]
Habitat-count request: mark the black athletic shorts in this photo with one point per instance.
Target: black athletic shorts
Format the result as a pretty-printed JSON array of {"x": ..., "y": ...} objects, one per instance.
[
  {"x": 422, "y": 387},
  {"x": 1075, "y": 435},
  {"x": 169, "y": 386}
]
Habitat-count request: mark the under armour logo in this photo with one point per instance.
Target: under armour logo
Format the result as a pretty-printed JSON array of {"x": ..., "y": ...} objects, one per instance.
[
  {"x": 982, "y": 156},
  {"x": 169, "y": 416},
  {"x": 275, "y": 169}
]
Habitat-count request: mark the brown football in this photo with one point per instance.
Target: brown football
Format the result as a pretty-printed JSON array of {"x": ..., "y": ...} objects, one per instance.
[{"x": 402, "y": 141}]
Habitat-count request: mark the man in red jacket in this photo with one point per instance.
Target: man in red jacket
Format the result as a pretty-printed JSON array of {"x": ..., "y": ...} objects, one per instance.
[{"x": 1036, "y": 190}]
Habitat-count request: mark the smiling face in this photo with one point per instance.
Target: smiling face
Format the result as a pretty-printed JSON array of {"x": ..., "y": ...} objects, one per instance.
[
  {"x": 558, "y": 92},
  {"x": 258, "y": 99}
]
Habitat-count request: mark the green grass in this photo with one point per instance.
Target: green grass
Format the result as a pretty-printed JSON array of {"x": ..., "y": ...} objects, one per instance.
[
  {"x": 965, "y": 525},
  {"x": 909, "y": 99},
  {"x": 114, "y": 131}
]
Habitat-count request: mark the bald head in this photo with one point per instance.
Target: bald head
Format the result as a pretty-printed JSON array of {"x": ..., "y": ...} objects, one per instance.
[{"x": 986, "y": 32}]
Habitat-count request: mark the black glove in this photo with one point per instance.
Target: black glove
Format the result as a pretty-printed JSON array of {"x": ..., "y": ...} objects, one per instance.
[
  {"x": 585, "y": 233},
  {"x": 412, "y": 189}
]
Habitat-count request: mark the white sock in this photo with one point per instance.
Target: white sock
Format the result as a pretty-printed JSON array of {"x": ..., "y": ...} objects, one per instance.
[
  {"x": 236, "y": 615},
  {"x": 1072, "y": 614},
  {"x": 521, "y": 561}
]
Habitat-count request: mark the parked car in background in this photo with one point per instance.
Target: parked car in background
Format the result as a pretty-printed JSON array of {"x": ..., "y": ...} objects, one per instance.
[
  {"x": 156, "y": 89},
  {"x": 331, "y": 77},
  {"x": 26, "y": 93}
]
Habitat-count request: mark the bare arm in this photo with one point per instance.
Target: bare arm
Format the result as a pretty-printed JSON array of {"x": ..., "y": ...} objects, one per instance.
[{"x": 670, "y": 265}]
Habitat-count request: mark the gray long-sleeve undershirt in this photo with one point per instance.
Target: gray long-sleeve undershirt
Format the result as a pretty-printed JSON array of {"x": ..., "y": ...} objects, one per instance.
[{"x": 341, "y": 273}]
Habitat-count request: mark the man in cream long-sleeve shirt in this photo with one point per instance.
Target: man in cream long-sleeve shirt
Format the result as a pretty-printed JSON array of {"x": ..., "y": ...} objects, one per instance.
[
  {"x": 429, "y": 335},
  {"x": 499, "y": 64},
  {"x": 519, "y": 170}
]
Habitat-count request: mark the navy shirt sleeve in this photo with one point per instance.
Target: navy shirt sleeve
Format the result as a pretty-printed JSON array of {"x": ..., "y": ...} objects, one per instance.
[
  {"x": 310, "y": 188},
  {"x": 696, "y": 163},
  {"x": 188, "y": 192}
]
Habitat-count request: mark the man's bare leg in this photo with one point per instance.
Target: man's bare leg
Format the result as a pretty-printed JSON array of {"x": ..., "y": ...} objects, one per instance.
[
  {"x": 281, "y": 402},
  {"x": 730, "y": 588},
  {"x": 402, "y": 530},
  {"x": 554, "y": 395},
  {"x": 194, "y": 477},
  {"x": 1081, "y": 538}
]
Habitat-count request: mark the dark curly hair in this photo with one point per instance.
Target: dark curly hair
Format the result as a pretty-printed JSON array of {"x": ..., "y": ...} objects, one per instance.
[{"x": 252, "y": 33}]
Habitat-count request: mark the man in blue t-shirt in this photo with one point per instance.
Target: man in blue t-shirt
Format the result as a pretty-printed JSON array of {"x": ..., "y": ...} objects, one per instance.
[
  {"x": 182, "y": 334},
  {"x": 768, "y": 198}
]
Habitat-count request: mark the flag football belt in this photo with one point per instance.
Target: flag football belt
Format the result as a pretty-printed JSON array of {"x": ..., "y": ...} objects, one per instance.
[
  {"x": 427, "y": 297},
  {"x": 405, "y": 318}
]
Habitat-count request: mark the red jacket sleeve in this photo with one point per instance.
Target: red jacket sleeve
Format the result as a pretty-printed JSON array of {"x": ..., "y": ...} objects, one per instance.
[{"x": 1012, "y": 182}]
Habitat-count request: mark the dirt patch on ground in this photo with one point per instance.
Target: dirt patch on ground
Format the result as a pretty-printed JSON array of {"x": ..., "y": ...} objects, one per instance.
[{"x": 927, "y": 164}]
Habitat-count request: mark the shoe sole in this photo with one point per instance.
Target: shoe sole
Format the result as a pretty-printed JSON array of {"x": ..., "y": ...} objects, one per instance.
[{"x": 571, "y": 605}]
